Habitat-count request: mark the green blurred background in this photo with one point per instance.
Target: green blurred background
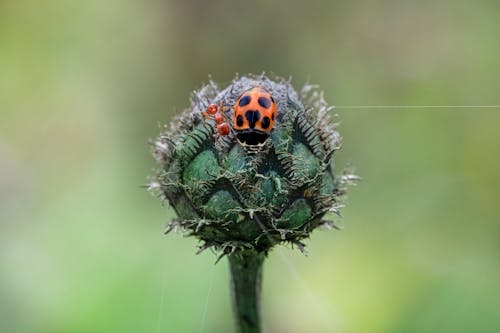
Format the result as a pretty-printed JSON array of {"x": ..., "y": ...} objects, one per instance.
[{"x": 83, "y": 85}]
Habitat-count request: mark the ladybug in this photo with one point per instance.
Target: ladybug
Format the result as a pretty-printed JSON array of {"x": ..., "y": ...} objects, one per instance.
[{"x": 254, "y": 115}]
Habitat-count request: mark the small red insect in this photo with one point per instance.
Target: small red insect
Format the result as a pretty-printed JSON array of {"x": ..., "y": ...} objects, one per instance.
[
  {"x": 218, "y": 118},
  {"x": 212, "y": 109},
  {"x": 254, "y": 115},
  {"x": 223, "y": 129},
  {"x": 214, "y": 112}
]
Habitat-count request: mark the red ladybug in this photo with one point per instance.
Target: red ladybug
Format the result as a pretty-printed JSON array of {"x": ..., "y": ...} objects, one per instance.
[{"x": 254, "y": 115}]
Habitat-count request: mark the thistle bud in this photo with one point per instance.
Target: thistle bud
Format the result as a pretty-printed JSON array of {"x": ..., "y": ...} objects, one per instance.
[{"x": 236, "y": 196}]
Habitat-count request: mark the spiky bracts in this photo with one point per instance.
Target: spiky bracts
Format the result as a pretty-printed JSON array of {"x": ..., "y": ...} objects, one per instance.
[{"x": 234, "y": 198}]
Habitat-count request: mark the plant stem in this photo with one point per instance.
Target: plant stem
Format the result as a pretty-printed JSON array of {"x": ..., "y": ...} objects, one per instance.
[{"x": 246, "y": 276}]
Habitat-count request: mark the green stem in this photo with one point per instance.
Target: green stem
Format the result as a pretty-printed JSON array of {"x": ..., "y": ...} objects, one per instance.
[{"x": 246, "y": 276}]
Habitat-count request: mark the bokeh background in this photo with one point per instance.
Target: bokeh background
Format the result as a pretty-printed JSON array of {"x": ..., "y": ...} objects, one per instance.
[{"x": 84, "y": 84}]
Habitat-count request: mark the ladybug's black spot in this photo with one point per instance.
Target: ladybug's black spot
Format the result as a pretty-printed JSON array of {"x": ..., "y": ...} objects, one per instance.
[
  {"x": 239, "y": 121},
  {"x": 272, "y": 116},
  {"x": 245, "y": 100},
  {"x": 264, "y": 102},
  {"x": 252, "y": 117},
  {"x": 266, "y": 122}
]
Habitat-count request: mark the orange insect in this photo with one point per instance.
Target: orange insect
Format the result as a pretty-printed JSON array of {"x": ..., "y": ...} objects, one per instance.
[{"x": 254, "y": 115}]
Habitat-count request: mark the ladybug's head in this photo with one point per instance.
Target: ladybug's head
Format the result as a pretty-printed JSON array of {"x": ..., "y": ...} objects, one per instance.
[{"x": 254, "y": 115}]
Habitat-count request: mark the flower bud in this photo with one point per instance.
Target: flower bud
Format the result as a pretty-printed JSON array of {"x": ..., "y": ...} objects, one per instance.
[{"x": 235, "y": 196}]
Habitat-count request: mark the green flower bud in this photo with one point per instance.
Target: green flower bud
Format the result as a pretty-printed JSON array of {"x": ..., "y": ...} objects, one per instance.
[{"x": 236, "y": 197}]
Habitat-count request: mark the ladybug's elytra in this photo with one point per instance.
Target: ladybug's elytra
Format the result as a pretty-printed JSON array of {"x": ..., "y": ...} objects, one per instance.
[{"x": 254, "y": 115}]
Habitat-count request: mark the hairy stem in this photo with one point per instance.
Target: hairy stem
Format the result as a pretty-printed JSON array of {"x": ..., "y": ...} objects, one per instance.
[{"x": 246, "y": 276}]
